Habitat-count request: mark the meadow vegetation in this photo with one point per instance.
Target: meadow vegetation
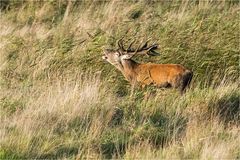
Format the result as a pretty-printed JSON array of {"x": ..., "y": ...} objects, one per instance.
[{"x": 58, "y": 99}]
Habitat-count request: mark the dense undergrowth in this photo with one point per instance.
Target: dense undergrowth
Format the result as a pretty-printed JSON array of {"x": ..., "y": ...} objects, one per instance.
[{"x": 58, "y": 99}]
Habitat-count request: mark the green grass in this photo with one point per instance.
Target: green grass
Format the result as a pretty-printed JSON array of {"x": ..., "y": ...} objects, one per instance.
[{"x": 59, "y": 99}]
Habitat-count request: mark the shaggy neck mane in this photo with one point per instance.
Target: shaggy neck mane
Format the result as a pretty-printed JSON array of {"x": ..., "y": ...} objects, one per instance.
[{"x": 128, "y": 69}]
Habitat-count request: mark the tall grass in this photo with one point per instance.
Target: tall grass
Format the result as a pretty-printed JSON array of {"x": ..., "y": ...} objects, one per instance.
[{"x": 58, "y": 99}]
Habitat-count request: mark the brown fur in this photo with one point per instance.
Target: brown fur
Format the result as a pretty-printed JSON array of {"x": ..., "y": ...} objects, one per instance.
[{"x": 159, "y": 75}]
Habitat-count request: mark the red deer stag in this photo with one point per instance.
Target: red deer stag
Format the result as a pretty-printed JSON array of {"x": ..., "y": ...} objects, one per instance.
[{"x": 160, "y": 75}]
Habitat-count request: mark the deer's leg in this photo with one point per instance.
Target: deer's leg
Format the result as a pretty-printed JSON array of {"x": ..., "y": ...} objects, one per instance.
[{"x": 133, "y": 86}]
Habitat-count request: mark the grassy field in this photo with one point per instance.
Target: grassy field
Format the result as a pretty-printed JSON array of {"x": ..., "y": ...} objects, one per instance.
[{"x": 59, "y": 100}]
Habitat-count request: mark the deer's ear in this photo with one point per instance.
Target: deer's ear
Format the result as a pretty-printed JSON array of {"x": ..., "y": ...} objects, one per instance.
[{"x": 126, "y": 56}]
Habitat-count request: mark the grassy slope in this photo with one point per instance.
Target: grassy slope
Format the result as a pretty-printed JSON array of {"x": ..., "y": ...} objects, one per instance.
[{"x": 58, "y": 99}]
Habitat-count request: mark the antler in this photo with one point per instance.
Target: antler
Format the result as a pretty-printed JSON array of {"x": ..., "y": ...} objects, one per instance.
[
  {"x": 142, "y": 49},
  {"x": 145, "y": 49},
  {"x": 129, "y": 49},
  {"x": 120, "y": 45}
]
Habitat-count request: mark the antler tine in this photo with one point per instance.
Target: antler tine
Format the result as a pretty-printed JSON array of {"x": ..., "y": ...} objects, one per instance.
[
  {"x": 145, "y": 45},
  {"x": 120, "y": 44},
  {"x": 137, "y": 50},
  {"x": 129, "y": 49},
  {"x": 149, "y": 49}
]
